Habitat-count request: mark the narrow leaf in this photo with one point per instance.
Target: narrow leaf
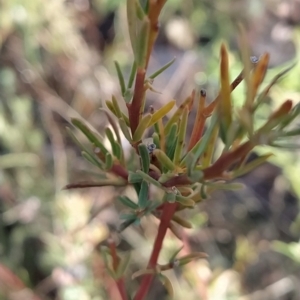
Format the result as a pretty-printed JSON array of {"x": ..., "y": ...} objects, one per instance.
[
  {"x": 120, "y": 77},
  {"x": 110, "y": 106},
  {"x": 132, "y": 24},
  {"x": 89, "y": 134},
  {"x": 181, "y": 137},
  {"x": 200, "y": 147},
  {"x": 251, "y": 166},
  {"x": 225, "y": 104},
  {"x": 92, "y": 160},
  {"x": 167, "y": 284},
  {"x": 164, "y": 160},
  {"x": 134, "y": 177},
  {"x": 148, "y": 178},
  {"x": 138, "y": 134},
  {"x": 112, "y": 123},
  {"x": 171, "y": 141},
  {"x": 127, "y": 202},
  {"x": 123, "y": 264},
  {"x": 182, "y": 222},
  {"x": 113, "y": 143},
  {"x": 178, "y": 113},
  {"x": 161, "y": 112},
  {"x": 142, "y": 44},
  {"x": 145, "y": 159},
  {"x": 259, "y": 73},
  {"x": 266, "y": 91},
  {"x": 166, "y": 66},
  {"x": 199, "y": 121},
  {"x": 87, "y": 184},
  {"x": 132, "y": 75},
  {"x": 116, "y": 107},
  {"x": 143, "y": 195},
  {"x": 108, "y": 161},
  {"x": 125, "y": 130},
  {"x": 185, "y": 201}
]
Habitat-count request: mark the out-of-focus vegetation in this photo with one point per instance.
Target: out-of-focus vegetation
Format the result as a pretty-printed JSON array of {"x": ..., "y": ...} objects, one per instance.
[{"x": 55, "y": 61}]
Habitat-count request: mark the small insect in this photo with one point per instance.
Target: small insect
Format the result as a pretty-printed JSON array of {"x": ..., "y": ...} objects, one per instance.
[{"x": 149, "y": 144}]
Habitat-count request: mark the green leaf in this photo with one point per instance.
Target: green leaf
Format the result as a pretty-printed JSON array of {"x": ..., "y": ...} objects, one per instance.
[
  {"x": 164, "y": 160},
  {"x": 108, "y": 161},
  {"x": 156, "y": 140},
  {"x": 112, "y": 123},
  {"x": 190, "y": 257},
  {"x": 148, "y": 178},
  {"x": 116, "y": 107},
  {"x": 126, "y": 224},
  {"x": 120, "y": 77},
  {"x": 134, "y": 177},
  {"x": 196, "y": 175},
  {"x": 143, "y": 195},
  {"x": 92, "y": 160},
  {"x": 75, "y": 140},
  {"x": 107, "y": 262},
  {"x": 115, "y": 146},
  {"x": 174, "y": 255},
  {"x": 89, "y": 134},
  {"x": 145, "y": 159},
  {"x": 110, "y": 106},
  {"x": 251, "y": 166},
  {"x": 142, "y": 44},
  {"x": 171, "y": 141},
  {"x": 185, "y": 201},
  {"x": 123, "y": 264},
  {"x": 163, "y": 68},
  {"x": 181, "y": 137},
  {"x": 125, "y": 130},
  {"x": 132, "y": 24},
  {"x": 138, "y": 134},
  {"x": 290, "y": 133},
  {"x": 132, "y": 75},
  {"x": 225, "y": 186},
  {"x": 170, "y": 197},
  {"x": 203, "y": 191},
  {"x": 127, "y": 202}
]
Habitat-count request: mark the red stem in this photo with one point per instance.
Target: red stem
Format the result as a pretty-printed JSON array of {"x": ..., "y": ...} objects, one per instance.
[
  {"x": 134, "y": 108},
  {"x": 167, "y": 214},
  {"x": 120, "y": 282}
]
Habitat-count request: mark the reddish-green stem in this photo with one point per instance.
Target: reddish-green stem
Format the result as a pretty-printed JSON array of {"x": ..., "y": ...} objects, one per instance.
[
  {"x": 167, "y": 214},
  {"x": 134, "y": 107}
]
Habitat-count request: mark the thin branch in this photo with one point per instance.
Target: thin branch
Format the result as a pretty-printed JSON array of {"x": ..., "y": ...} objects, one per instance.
[{"x": 167, "y": 214}]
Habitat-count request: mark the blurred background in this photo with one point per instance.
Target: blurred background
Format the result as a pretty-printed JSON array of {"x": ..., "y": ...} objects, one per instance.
[{"x": 56, "y": 62}]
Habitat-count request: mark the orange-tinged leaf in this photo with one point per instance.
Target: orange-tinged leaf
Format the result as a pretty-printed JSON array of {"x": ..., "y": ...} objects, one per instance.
[
  {"x": 276, "y": 116},
  {"x": 259, "y": 73},
  {"x": 226, "y": 160},
  {"x": 225, "y": 104},
  {"x": 199, "y": 122}
]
